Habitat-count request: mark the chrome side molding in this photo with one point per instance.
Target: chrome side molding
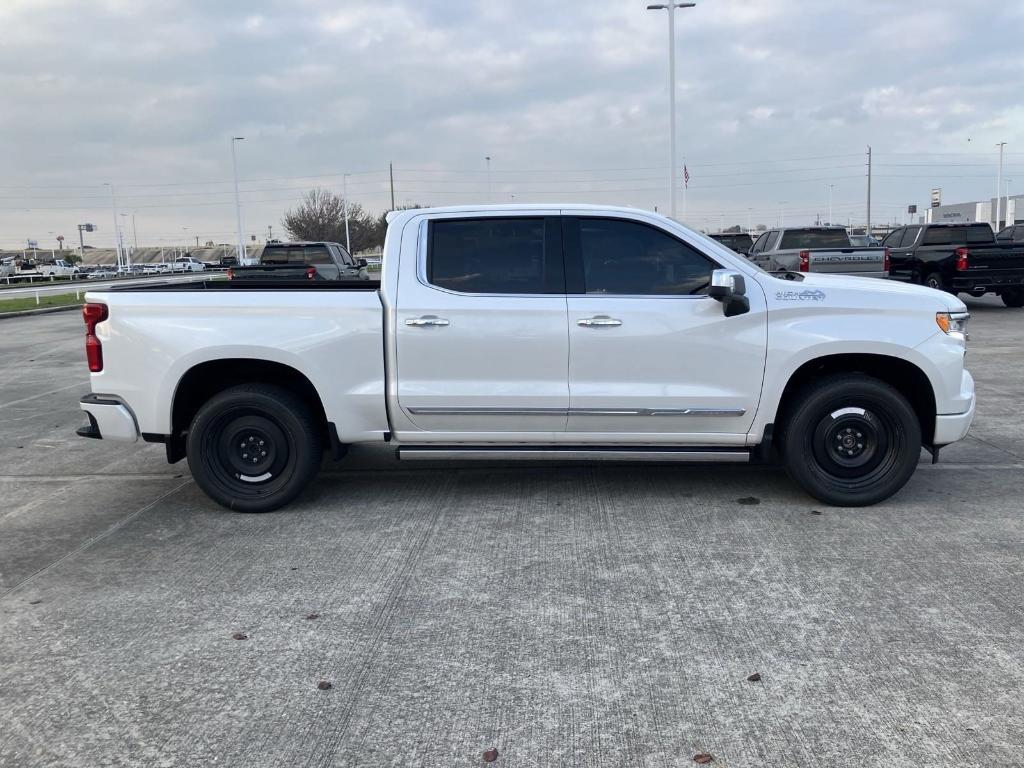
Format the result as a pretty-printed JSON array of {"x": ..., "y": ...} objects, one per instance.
[{"x": 488, "y": 411}]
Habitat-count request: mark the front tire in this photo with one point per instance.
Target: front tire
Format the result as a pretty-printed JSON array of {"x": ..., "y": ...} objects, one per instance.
[
  {"x": 254, "y": 447},
  {"x": 851, "y": 440},
  {"x": 1013, "y": 298}
]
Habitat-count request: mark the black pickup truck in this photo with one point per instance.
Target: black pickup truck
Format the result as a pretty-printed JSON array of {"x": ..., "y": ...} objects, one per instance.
[
  {"x": 958, "y": 258},
  {"x": 302, "y": 261}
]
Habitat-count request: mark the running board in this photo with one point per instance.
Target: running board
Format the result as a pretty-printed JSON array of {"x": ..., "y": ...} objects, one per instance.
[{"x": 571, "y": 453}]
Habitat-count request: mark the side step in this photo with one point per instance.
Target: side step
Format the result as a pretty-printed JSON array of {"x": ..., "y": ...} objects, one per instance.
[{"x": 570, "y": 453}]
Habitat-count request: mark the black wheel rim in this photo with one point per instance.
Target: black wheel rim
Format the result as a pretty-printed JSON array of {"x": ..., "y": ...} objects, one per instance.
[
  {"x": 856, "y": 445},
  {"x": 935, "y": 283},
  {"x": 248, "y": 452}
]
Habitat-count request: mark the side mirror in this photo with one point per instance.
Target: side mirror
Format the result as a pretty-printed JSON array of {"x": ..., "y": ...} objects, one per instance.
[
  {"x": 730, "y": 288},
  {"x": 362, "y": 262}
]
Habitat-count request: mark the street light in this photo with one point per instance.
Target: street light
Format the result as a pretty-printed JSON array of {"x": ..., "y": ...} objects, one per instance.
[
  {"x": 240, "y": 255},
  {"x": 113, "y": 207},
  {"x": 671, "y": 7},
  {"x": 999, "y": 187},
  {"x": 490, "y": 195},
  {"x": 830, "y": 188}
]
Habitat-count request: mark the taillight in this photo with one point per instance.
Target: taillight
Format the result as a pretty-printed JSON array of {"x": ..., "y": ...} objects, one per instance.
[
  {"x": 962, "y": 259},
  {"x": 805, "y": 261},
  {"x": 311, "y": 273},
  {"x": 93, "y": 314},
  {"x": 887, "y": 261},
  {"x": 231, "y": 274}
]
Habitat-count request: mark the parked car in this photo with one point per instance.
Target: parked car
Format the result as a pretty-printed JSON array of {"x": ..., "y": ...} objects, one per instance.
[
  {"x": 188, "y": 264},
  {"x": 102, "y": 273},
  {"x": 817, "y": 249},
  {"x": 959, "y": 258},
  {"x": 537, "y": 332},
  {"x": 302, "y": 261},
  {"x": 7, "y": 268},
  {"x": 740, "y": 242},
  {"x": 1011, "y": 234}
]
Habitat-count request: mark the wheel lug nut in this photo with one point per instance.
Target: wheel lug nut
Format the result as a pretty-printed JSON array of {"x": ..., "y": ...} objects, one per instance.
[
  {"x": 263, "y": 453},
  {"x": 859, "y": 446}
]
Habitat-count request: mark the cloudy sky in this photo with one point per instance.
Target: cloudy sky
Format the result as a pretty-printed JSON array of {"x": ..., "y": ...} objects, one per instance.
[{"x": 777, "y": 100}]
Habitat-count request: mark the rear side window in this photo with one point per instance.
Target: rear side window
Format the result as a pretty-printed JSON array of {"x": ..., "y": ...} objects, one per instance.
[
  {"x": 621, "y": 257},
  {"x": 794, "y": 239},
  {"x": 938, "y": 236},
  {"x": 510, "y": 255},
  {"x": 909, "y": 237}
]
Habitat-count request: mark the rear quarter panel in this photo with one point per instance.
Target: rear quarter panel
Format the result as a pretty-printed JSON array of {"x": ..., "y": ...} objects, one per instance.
[{"x": 334, "y": 338}]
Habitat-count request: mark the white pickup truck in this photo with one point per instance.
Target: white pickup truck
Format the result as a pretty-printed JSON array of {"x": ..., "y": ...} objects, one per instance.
[{"x": 535, "y": 332}]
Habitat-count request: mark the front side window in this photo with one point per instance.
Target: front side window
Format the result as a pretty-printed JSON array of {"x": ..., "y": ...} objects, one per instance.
[
  {"x": 893, "y": 239},
  {"x": 629, "y": 258},
  {"x": 495, "y": 255},
  {"x": 759, "y": 243}
]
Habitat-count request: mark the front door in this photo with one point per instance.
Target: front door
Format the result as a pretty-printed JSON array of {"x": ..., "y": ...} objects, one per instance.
[
  {"x": 481, "y": 327},
  {"x": 649, "y": 352}
]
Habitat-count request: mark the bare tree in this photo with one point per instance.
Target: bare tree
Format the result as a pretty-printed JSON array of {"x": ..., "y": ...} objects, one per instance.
[{"x": 320, "y": 216}]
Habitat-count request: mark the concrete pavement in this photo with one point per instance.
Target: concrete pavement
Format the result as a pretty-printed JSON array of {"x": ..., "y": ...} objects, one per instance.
[{"x": 566, "y": 615}]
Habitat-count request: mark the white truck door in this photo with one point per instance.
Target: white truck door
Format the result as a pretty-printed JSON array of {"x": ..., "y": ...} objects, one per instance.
[
  {"x": 649, "y": 351},
  {"x": 480, "y": 326}
]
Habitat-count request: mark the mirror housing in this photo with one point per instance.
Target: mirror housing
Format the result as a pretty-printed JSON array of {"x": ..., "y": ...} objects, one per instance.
[
  {"x": 362, "y": 263},
  {"x": 730, "y": 288}
]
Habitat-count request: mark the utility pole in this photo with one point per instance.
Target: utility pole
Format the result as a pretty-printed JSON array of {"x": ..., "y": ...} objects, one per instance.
[
  {"x": 999, "y": 188},
  {"x": 391, "y": 173},
  {"x": 344, "y": 193},
  {"x": 830, "y": 188},
  {"x": 671, "y": 7},
  {"x": 135, "y": 233},
  {"x": 238, "y": 205},
  {"x": 490, "y": 195},
  {"x": 867, "y": 229}
]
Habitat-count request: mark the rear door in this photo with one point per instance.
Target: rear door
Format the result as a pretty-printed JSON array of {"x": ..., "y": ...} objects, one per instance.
[
  {"x": 481, "y": 344},
  {"x": 652, "y": 357}
]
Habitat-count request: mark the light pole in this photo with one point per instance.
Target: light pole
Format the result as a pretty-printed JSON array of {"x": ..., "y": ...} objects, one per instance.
[
  {"x": 490, "y": 195},
  {"x": 782, "y": 214},
  {"x": 830, "y": 188},
  {"x": 120, "y": 235},
  {"x": 240, "y": 255},
  {"x": 344, "y": 192},
  {"x": 113, "y": 208},
  {"x": 671, "y": 7},
  {"x": 999, "y": 187}
]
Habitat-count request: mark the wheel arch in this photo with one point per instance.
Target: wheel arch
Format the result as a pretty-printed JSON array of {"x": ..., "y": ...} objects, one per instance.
[
  {"x": 206, "y": 379},
  {"x": 904, "y": 376}
]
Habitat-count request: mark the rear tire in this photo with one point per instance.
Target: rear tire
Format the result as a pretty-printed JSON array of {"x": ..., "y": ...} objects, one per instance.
[
  {"x": 934, "y": 280},
  {"x": 254, "y": 447},
  {"x": 1013, "y": 298},
  {"x": 851, "y": 440}
]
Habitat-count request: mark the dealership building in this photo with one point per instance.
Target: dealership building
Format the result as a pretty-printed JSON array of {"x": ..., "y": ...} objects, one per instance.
[{"x": 1012, "y": 212}]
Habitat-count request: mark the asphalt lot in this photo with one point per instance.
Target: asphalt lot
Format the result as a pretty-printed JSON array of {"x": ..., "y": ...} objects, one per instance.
[{"x": 592, "y": 616}]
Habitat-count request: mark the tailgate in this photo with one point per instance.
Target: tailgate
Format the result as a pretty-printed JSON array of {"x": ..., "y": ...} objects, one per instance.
[
  {"x": 847, "y": 261},
  {"x": 995, "y": 258}
]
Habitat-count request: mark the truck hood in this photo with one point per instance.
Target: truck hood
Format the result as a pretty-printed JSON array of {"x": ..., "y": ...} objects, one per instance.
[{"x": 943, "y": 301}]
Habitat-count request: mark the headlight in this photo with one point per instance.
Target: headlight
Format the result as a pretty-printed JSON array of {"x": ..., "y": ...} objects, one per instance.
[{"x": 953, "y": 322}]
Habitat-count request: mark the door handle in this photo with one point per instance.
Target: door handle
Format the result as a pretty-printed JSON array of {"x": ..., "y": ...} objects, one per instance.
[
  {"x": 426, "y": 321},
  {"x": 599, "y": 321}
]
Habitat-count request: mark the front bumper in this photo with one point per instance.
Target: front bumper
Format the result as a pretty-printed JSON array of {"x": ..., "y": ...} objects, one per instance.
[
  {"x": 952, "y": 427},
  {"x": 110, "y": 418}
]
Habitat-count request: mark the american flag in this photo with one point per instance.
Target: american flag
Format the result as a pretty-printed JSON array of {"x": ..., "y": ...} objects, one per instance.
[{"x": 686, "y": 177}]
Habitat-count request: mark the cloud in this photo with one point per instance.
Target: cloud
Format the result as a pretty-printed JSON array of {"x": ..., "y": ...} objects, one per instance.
[{"x": 148, "y": 94}]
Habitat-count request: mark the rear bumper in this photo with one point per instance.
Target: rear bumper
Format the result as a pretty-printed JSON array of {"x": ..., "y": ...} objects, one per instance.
[
  {"x": 952, "y": 427},
  {"x": 110, "y": 418},
  {"x": 990, "y": 282}
]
